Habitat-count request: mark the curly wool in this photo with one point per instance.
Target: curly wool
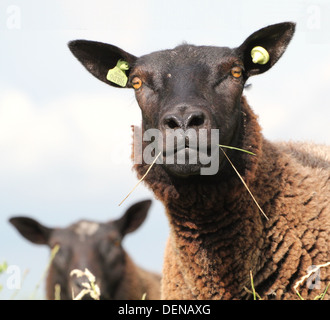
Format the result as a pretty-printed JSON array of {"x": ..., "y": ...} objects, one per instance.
[{"x": 218, "y": 234}]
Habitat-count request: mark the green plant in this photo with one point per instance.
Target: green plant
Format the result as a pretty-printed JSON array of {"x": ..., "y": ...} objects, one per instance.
[
  {"x": 52, "y": 256},
  {"x": 3, "y": 268},
  {"x": 252, "y": 291}
]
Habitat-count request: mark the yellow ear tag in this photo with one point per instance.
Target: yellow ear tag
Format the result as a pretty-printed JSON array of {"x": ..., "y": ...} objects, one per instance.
[
  {"x": 259, "y": 55},
  {"x": 117, "y": 74}
]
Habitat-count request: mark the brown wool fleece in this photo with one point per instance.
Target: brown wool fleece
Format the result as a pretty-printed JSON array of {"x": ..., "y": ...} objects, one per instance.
[{"x": 218, "y": 234}]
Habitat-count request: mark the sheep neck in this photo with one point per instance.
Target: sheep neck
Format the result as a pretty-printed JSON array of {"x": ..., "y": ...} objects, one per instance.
[
  {"x": 215, "y": 226},
  {"x": 222, "y": 243}
]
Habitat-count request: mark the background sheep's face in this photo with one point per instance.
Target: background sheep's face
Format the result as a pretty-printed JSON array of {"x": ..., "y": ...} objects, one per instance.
[
  {"x": 86, "y": 244},
  {"x": 90, "y": 245},
  {"x": 189, "y": 88}
]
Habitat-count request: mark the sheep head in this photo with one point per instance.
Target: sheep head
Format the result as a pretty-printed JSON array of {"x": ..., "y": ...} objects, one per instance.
[{"x": 190, "y": 96}]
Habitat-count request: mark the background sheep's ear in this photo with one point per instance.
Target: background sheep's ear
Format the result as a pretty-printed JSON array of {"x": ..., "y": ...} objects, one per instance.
[
  {"x": 274, "y": 39},
  {"x": 31, "y": 229},
  {"x": 98, "y": 58},
  {"x": 133, "y": 217}
]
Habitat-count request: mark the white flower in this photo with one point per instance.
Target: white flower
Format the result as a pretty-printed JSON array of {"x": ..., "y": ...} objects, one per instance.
[{"x": 90, "y": 287}]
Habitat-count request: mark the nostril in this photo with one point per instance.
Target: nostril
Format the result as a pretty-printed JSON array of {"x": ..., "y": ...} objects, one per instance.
[
  {"x": 172, "y": 122},
  {"x": 196, "y": 120}
]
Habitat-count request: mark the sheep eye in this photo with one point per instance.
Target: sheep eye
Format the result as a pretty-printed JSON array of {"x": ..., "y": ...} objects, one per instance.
[
  {"x": 236, "y": 72},
  {"x": 136, "y": 83},
  {"x": 114, "y": 240}
]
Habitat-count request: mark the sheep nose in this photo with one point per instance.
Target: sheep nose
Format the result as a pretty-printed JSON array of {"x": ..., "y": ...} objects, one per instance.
[{"x": 185, "y": 121}]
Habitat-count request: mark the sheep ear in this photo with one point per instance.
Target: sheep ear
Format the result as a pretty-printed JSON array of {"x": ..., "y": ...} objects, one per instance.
[
  {"x": 98, "y": 58},
  {"x": 133, "y": 217},
  {"x": 31, "y": 229},
  {"x": 274, "y": 38}
]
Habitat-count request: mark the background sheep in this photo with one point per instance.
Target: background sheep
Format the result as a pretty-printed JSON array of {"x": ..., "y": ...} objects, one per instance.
[
  {"x": 217, "y": 233},
  {"x": 97, "y": 247}
]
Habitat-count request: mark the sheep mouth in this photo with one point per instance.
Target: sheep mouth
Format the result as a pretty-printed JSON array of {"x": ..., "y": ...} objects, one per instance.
[
  {"x": 190, "y": 161},
  {"x": 183, "y": 153},
  {"x": 180, "y": 143},
  {"x": 182, "y": 171},
  {"x": 190, "y": 153}
]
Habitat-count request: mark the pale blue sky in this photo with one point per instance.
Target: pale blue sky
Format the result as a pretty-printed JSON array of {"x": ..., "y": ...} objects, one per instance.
[{"x": 65, "y": 137}]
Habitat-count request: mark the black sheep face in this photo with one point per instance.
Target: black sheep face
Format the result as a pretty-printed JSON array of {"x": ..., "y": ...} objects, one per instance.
[
  {"x": 190, "y": 90},
  {"x": 86, "y": 244}
]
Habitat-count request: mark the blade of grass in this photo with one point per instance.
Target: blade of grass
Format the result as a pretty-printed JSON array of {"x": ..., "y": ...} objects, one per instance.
[
  {"x": 15, "y": 293},
  {"x": 52, "y": 256},
  {"x": 237, "y": 149},
  {"x": 245, "y": 185},
  {"x": 300, "y": 297},
  {"x": 253, "y": 291},
  {"x": 252, "y": 286},
  {"x": 151, "y": 165},
  {"x": 57, "y": 292},
  {"x": 322, "y": 295},
  {"x": 3, "y": 267}
]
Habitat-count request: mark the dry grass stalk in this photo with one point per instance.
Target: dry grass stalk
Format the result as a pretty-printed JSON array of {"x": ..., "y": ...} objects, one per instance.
[
  {"x": 151, "y": 165},
  {"x": 309, "y": 273},
  {"x": 245, "y": 185},
  {"x": 90, "y": 287}
]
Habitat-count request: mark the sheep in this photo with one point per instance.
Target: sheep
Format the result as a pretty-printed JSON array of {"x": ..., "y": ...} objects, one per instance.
[
  {"x": 219, "y": 241},
  {"x": 97, "y": 247}
]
